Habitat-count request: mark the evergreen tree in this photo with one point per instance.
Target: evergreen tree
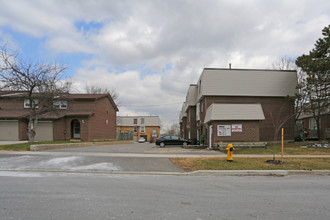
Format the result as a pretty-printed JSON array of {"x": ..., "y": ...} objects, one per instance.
[{"x": 316, "y": 65}]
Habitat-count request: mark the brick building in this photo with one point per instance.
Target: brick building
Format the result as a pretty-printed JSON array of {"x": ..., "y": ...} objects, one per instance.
[
  {"x": 306, "y": 127},
  {"x": 141, "y": 126},
  {"x": 85, "y": 117},
  {"x": 239, "y": 105}
]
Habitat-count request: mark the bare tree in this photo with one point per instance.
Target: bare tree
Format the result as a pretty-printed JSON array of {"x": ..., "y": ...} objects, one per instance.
[
  {"x": 300, "y": 98},
  {"x": 174, "y": 129},
  {"x": 42, "y": 85},
  {"x": 96, "y": 89},
  {"x": 279, "y": 119},
  {"x": 284, "y": 63}
]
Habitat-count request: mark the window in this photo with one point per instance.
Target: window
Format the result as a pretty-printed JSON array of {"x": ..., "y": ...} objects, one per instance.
[
  {"x": 61, "y": 104},
  {"x": 135, "y": 121},
  {"x": 135, "y": 128},
  {"x": 142, "y": 129},
  {"x": 175, "y": 138},
  {"x": 35, "y": 103},
  {"x": 154, "y": 133},
  {"x": 197, "y": 112},
  {"x": 142, "y": 121},
  {"x": 202, "y": 106},
  {"x": 312, "y": 124}
]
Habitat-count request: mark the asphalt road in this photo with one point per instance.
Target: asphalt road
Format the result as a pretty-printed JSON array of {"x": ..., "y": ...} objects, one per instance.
[
  {"x": 133, "y": 158},
  {"x": 43, "y": 196}
]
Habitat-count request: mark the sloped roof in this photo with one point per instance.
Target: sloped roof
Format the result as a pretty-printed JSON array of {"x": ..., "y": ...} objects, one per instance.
[
  {"x": 17, "y": 113},
  {"x": 22, "y": 94},
  {"x": 191, "y": 96},
  {"x": 247, "y": 82},
  {"x": 233, "y": 111},
  {"x": 14, "y": 113}
]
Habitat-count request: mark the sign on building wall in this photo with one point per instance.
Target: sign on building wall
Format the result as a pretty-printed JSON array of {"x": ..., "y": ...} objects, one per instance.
[
  {"x": 224, "y": 130},
  {"x": 236, "y": 128}
]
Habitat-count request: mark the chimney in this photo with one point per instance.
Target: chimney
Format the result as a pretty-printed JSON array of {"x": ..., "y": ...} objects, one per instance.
[{"x": 229, "y": 65}]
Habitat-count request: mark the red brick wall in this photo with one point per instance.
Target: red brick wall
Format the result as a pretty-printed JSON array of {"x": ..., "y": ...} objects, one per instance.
[
  {"x": 325, "y": 123},
  {"x": 250, "y": 132},
  {"x": 9, "y": 103},
  {"x": 22, "y": 130},
  {"x": 94, "y": 127},
  {"x": 273, "y": 107},
  {"x": 102, "y": 125},
  {"x": 184, "y": 128},
  {"x": 191, "y": 123}
]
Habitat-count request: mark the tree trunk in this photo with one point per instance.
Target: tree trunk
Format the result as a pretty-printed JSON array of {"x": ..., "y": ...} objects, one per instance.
[{"x": 32, "y": 125}]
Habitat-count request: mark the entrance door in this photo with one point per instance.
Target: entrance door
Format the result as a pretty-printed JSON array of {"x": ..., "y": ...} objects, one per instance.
[
  {"x": 75, "y": 128},
  {"x": 210, "y": 136}
]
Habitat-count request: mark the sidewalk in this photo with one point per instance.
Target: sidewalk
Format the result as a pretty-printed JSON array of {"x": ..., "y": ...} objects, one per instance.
[{"x": 154, "y": 155}]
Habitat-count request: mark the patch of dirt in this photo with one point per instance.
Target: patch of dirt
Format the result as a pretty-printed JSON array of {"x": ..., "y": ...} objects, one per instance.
[{"x": 274, "y": 161}]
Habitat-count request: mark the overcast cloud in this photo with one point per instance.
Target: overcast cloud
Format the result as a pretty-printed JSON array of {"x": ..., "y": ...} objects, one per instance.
[{"x": 150, "y": 51}]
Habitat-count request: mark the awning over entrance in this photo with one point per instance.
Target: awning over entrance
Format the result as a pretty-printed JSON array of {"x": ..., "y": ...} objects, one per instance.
[{"x": 234, "y": 111}]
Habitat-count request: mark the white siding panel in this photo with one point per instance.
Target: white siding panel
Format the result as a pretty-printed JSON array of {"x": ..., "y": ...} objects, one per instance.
[
  {"x": 234, "y": 112},
  {"x": 231, "y": 82},
  {"x": 129, "y": 120}
]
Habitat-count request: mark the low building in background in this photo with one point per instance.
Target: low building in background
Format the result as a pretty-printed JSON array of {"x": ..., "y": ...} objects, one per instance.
[{"x": 147, "y": 127}]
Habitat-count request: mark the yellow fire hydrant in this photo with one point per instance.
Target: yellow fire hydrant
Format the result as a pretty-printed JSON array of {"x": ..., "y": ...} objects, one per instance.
[{"x": 230, "y": 150}]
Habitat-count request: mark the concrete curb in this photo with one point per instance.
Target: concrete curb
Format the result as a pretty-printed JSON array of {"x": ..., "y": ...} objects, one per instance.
[
  {"x": 41, "y": 147},
  {"x": 240, "y": 173},
  {"x": 200, "y": 173}
]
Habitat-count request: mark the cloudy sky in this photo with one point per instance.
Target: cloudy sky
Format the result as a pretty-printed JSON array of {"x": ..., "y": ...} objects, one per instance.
[{"x": 151, "y": 50}]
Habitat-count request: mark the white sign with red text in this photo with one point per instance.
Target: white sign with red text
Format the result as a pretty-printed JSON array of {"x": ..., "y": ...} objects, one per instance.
[{"x": 236, "y": 128}]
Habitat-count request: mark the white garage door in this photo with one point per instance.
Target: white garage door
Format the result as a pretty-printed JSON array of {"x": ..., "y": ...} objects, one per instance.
[
  {"x": 9, "y": 130},
  {"x": 44, "y": 131}
]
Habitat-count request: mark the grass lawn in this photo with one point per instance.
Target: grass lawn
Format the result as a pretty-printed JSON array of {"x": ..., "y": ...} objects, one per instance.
[
  {"x": 26, "y": 146},
  {"x": 192, "y": 164},
  {"x": 294, "y": 148}
]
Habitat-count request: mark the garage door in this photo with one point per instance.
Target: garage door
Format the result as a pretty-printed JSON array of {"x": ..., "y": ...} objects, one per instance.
[
  {"x": 44, "y": 131},
  {"x": 9, "y": 130}
]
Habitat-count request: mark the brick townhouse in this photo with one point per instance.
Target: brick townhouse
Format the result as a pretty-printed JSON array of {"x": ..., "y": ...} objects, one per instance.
[
  {"x": 141, "y": 126},
  {"x": 239, "y": 105},
  {"x": 84, "y": 117},
  {"x": 306, "y": 127}
]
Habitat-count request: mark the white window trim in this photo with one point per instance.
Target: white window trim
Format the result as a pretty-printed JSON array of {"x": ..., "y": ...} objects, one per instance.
[
  {"x": 27, "y": 103},
  {"x": 61, "y": 104},
  {"x": 142, "y": 129},
  {"x": 197, "y": 112}
]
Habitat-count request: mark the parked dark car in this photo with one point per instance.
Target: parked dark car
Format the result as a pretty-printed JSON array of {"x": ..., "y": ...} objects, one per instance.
[{"x": 171, "y": 140}]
